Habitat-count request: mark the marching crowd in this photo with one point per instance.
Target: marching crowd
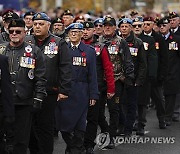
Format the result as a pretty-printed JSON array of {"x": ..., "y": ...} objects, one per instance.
[{"x": 58, "y": 75}]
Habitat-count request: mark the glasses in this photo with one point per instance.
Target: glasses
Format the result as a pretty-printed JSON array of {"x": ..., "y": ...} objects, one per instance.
[
  {"x": 162, "y": 25},
  {"x": 74, "y": 32},
  {"x": 16, "y": 31},
  {"x": 139, "y": 26},
  {"x": 148, "y": 24},
  {"x": 98, "y": 25}
]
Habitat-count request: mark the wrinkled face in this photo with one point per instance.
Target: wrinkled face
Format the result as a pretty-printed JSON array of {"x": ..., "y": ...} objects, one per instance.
[
  {"x": 17, "y": 34},
  {"x": 75, "y": 35},
  {"x": 125, "y": 29},
  {"x": 137, "y": 28},
  {"x": 28, "y": 21},
  {"x": 109, "y": 30},
  {"x": 41, "y": 27},
  {"x": 67, "y": 20},
  {"x": 175, "y": 22},
  {"x": 99, "y": 29},
  {"x": 148, "y": 26},
  {"x": 164, "y": 28},
  {"x": 58, "y": 27},
  {"x": 88, "y": 33}
]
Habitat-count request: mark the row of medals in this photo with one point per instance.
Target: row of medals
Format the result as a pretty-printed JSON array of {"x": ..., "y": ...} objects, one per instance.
[
  {"x": 80, "y": 61},
  {"x": 51, "y": 50}
]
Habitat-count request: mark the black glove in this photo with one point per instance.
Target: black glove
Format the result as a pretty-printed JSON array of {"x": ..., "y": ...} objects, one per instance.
[{"x": 37, "y": 104}]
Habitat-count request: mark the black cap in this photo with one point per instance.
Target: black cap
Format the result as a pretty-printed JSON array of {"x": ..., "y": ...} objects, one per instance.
[
  {"x": 10, "y": 16},
  {"x": 133, "y": 13},
  {"x": 57, "y": 20},
  {"x": 67, "y": 12},
  {"x": 164, "y": 20},
  {"x": 29, "y": 13},
  {"x": 88, "y": 24},
  {"x": 109, "y": 20},
  {"x": 173, "y": 15},
  {"x": 17, "y": 23}
]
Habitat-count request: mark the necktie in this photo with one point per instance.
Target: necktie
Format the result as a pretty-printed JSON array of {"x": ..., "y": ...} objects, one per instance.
[{"x": 73, "y": 47}]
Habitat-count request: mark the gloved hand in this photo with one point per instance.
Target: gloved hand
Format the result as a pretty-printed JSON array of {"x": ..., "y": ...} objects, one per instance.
[{"x": 37, "y": 104}]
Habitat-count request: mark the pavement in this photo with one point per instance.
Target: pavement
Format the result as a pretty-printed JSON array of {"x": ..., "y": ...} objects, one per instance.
[{"x": 155, "y": 141}]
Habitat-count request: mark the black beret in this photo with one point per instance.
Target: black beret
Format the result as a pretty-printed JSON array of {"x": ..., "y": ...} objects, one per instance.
[
  {"x": 164, "y": 20},
  {"x": 29, "y": 13},
  {"x": 173, "y": 15},
  {"x": 10, "y": 15},
  {"x": 133, "y": 13},
  {"x": 17, "y": 23},
  {"x": 67, "y": 12},
  {"x": 109, "y": 20},
  {"x": 57, "y": 20},
  {"x": 88, "y": 24}
]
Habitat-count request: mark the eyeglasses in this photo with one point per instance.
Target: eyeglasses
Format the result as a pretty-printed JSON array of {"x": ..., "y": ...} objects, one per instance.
[
  {"x": 16, "y": 31},
  {"x": 162, "y": 25},
  {"x": 98, "y": 25},
  {"x": 74, "y": 32},
  {"x": 139, "y": 26},
  {"x": 148, "y": 24}
]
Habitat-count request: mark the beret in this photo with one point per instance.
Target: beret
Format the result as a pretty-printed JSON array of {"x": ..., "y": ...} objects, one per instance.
[
  {"x": 75, "y": 26},
  {"x": 164, "y": 20},
  {"x": 57, "y": 20},
  {"x": 29, "y": 13},
  {"x": 10, "y": 15},
  {"x": 67, "y": 12},
  {"x": 41, "y": 16},
  {"x": 109, "y": 20},
  {"x": 173, "y": 15},
  {"x": 138, "y": 19},
  {"x": 149, "y": 19},
  {"x": 125, "y": 21},
  {"x": 88, "y": 24},
  {"x": 16, "y": 23},
  {"x": 98, "y": 20}
]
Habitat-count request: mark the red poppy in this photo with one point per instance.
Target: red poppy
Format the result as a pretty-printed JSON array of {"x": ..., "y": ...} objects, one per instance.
[
  {"x": 130, "y": 44},
  {"x": 170, "y": 37},
  {"x": 83, "y": 54},
  {"x": 113, "y": 43},
  {"x": 52, "y": 40},
  {"x": 28, "y": 54}
]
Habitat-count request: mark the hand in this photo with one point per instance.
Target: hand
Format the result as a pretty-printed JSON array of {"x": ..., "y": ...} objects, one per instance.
[
  {"x": 92, "y": 102},
  {"x": 37, "y": 104},
  {"x": 61, "y": 97},
  {"x": 110, "y": 95}
]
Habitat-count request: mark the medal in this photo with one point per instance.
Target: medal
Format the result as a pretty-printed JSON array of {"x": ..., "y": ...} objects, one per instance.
[{"x": 31, "y": 74}]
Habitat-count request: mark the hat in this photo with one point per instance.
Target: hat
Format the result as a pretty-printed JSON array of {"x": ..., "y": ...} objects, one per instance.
[
  {"x": 17, "y": 23},
  {"x": 57, "y": 20},
  {"x": 156, "y": 20},
  {"x": 149, "y": 19},
  {"x": 29, "y": 13},
  {"x": 6, "y": 11},
  {"x": 75, "y": 26},
  {"x": 133, "y": 13},
  {"x": 109, "y": 20},
  {"x": 98, "y": 20},
  {"x": 125, "y": 21},
  {"x": 41, "y": 16},
  {"x": 138, "y": 19},
  {"x": 164, "y": 20},
  {"x": 10, "y": 15},
  {"x": 67, "y": 12},
  {"x": 88, "y": 24},
  {"x": 173, "y": 15},
  {"x": 79, "y": 18}
]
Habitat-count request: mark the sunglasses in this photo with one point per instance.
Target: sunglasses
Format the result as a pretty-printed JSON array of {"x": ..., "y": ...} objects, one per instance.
[
  {"x": 162, "y": 25},
  {"x": 148, "y": 24},
  {"x": 16, "y": 31},
  {"x": 139, "y": 26},
  {"x": 98, "y": 25}
]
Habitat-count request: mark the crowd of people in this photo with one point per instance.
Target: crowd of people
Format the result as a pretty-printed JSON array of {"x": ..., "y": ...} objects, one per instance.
[{"x": 58, "y": 75}]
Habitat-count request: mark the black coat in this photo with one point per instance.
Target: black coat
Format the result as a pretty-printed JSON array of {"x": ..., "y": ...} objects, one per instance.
[
  {"x": 5, "y": 87},
  {"x": 172, "y": 82},
  {"x": 58, "y": 63},
  {"x": 27, "y": 69},
  {"x": 139, "y": 58}
]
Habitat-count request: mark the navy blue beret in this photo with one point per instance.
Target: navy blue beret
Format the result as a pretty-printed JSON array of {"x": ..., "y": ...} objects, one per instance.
[
  {"x": 99, "y": 20},
  {"x": 41, "y": 16}
]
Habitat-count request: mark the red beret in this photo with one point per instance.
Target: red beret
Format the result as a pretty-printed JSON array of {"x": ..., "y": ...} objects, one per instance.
[{"x": 149, "y": 19}]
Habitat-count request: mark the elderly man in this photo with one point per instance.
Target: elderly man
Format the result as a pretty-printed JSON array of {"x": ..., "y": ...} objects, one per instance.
[
  {"x": 28, "y": 22},
  {"x": 71, "y": 113},
  {"x": 58, "y": 72},
  {"x": 27, "y": 71}
]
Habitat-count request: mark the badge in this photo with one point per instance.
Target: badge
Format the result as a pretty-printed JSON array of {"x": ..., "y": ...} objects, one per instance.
[
  {"x": 113, "y": 49},
  {"x": 2, "y": 48},
  {"x": 133, "y": 51},
  {"x": 28, "y": 49},
  {"x": 98, "y": 50},
  {"x": 27, "y": 62},
  {"x": 173, "y": 46},
  {"x": 31, "y": 74},
  {"x": 146, "y": 45},
  {"x": 157, "y": 45}
]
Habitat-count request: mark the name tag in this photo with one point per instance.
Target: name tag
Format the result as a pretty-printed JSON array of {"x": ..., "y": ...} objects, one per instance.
[
  {"x": 79, "y": 61},
  {"x": 27, "y": 62},
  {"x": 173, "y": 46},
  {"x": 133, "y": 51}
]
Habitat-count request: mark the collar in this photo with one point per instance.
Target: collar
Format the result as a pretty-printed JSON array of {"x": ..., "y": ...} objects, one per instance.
[
  {"x": 174, "y": 30},
  {"x": 72, "y": 45},
  {"x": 148, "y": 34},
  {"x": 166, "y": 36}
]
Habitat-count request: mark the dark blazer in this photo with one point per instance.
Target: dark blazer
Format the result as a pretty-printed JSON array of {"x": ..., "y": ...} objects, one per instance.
[{"x": 5, "y": 86}]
